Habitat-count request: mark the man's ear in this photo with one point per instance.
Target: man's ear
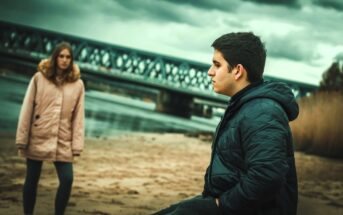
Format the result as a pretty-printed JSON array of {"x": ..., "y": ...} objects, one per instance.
[{"x": 239, "y": 72}]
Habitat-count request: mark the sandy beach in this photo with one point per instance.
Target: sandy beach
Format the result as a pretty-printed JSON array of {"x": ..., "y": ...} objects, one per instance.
[{"x": 141, "y": 173}]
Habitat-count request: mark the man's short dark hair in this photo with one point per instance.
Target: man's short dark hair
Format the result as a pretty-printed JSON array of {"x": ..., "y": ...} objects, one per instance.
[{"x": 243, "y": 48}]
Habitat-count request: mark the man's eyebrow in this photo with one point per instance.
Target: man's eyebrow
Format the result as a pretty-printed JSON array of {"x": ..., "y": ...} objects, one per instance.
[{"x": 216, "y": 62}]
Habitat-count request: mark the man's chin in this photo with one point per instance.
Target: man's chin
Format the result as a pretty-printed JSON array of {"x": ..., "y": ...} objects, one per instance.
[{"x": 216, "y": 90}]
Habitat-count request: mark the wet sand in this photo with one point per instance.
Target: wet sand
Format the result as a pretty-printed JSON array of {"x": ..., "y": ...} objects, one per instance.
[{"x": 141, "y": 173}]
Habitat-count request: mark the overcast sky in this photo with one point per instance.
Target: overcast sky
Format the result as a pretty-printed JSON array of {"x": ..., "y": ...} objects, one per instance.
[{"x": 302, "y": 37}]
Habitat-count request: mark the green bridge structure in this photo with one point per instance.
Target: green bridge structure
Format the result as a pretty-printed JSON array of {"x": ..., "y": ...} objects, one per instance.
[{"x": 182, "y": 87}]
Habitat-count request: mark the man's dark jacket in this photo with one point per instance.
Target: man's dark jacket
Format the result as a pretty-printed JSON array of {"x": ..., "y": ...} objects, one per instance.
[{"x": 252, "y": 169}]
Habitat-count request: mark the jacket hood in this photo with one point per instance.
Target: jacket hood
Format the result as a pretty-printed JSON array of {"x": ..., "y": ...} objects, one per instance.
[
  {"x": 277, "y": 91},
  {"x": 73, "y": 76}
]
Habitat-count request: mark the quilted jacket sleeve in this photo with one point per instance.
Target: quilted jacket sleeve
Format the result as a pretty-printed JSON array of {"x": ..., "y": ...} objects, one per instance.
[
  {"x": 78, "y": 123},
  {"x": 25, "y": 116}
]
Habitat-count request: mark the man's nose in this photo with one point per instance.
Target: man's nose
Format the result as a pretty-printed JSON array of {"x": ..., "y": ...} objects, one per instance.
[{"x": 210, "y": 72}]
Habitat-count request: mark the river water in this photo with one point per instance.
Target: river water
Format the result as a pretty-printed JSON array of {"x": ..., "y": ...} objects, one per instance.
[{"x": 106, "y": 114}]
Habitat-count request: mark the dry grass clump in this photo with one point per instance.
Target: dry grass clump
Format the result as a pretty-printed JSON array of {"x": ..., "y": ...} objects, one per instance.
[{"x": 319, "y": 129}]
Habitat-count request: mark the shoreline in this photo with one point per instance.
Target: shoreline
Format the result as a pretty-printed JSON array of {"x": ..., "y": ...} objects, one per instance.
[{"x": 139, "y": 173}]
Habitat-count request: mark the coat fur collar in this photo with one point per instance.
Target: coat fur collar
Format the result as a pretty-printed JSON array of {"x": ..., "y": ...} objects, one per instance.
[{"x": 73, "y": 76}]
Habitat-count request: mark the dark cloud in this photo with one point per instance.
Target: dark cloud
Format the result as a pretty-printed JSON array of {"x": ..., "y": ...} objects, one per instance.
[
  {"x": 156, "y": 11},
  {"x": 37, "y": 8},
  {"x": 149, "y": 10},
  {"x": 223, "y": 5},
  {"x": 287, "y": 3},
  {"x": 334, "y": 4},
  {"x": 39, "y": 12},
  {"x": 292, "y": 48}
]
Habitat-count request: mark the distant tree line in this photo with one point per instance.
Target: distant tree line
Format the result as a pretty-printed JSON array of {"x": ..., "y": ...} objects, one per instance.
[{"x": 333, "y": 78}]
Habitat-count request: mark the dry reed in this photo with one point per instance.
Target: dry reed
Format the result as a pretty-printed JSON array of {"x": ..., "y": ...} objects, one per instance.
[{"x": 318, "y": 128}]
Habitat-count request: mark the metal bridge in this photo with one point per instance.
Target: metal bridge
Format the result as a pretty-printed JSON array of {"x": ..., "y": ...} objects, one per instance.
[{"x": 179, "y": 81}]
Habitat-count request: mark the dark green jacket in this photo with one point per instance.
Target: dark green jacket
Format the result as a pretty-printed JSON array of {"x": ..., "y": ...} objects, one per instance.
[{"x": 252, "y": 169}]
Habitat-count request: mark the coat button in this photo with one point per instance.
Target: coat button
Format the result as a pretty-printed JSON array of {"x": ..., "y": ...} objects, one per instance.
[{"x": 37, "y": 116}]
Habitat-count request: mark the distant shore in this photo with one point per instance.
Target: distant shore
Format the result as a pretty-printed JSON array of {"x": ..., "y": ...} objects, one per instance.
[{"x": 140, "y": 173}]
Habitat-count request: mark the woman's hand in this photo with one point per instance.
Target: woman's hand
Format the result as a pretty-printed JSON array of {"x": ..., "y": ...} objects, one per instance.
[{"x": 217, "y": 202}]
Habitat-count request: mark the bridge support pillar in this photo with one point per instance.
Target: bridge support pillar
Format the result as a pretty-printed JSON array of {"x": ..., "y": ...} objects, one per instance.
[
  {"x": 202, "y": 110},
  {"x": 176, "y": 104}
]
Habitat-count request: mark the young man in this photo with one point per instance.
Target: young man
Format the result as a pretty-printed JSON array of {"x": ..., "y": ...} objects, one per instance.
[{"x": 252, "y": 168}]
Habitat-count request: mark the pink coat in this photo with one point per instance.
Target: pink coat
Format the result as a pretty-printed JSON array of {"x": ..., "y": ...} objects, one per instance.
[{"x": 51, "y": 121}]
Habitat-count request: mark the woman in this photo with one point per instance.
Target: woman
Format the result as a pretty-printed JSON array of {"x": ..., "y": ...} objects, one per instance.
[{"x": 50, "y": 126}]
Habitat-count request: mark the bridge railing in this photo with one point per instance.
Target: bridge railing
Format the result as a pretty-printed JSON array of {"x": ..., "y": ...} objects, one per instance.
[
  {"x": 178, "y": 73},
  {"x": 163, "y": 71}
]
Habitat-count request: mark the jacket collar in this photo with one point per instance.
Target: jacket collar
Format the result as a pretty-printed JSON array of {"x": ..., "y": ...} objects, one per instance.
[
  {"x": 236, "y": 98},
  {"x": 74, "y": 75}
]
